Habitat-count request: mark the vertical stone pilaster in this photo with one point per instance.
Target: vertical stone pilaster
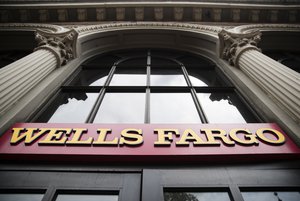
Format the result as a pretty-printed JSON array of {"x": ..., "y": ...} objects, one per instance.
[
  {"x": 139, "y": 14},
  {"x": 178, "y": 13},
  {"x": 197, "y": 14},
  {"x": 278, "y": 81},
  {"x": 100, "y": 14},
  {"x": 158, "y": 13},
  {"x": 120, "y": 14}
]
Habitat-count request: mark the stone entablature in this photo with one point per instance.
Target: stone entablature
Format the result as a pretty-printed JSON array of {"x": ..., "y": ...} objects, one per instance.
[{"x": 150, "y": 11}]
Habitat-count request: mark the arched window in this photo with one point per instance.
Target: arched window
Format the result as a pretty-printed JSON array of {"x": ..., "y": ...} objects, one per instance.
[{"x": 148, "y": 86}]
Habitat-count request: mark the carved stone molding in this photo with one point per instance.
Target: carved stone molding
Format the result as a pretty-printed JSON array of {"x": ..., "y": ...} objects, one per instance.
[
  {"x": 62, "y": 45},
  {"x": 265, "y": 27},
  {"x": 30, "y": 26},
  {"x": 172, "y": 25},
  {"x": 232, "y": 45}
]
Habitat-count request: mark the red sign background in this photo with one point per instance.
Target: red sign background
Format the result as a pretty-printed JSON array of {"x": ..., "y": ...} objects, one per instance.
[{"x": 146, "y": 152}]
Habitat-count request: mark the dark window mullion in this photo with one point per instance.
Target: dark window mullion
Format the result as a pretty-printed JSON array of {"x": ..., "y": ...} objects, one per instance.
[
  {"x": 96, "y": 107},
  {"x": 99, "y": 100},
  {"x": 198, "y": 106}
]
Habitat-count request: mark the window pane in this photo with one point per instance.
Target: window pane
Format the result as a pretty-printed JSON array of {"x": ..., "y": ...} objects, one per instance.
[
  {"x": 173, "y": 108},
  {"x": 122, "y": 108},
  {"x": 167, "y": 77},
  {"x": 77, "y": 197},
  {"x": 199, "y": 196},
  {"x": 129, "y": 77},
  {"x": 70, "y": 108},
  {"x": 21, "y": 197},
  {"x": 223, "y": 108},
  {"x": 90, "y": 78},
  {"x": 201, "y": 78},
  {"x": 271, "y": 196}
]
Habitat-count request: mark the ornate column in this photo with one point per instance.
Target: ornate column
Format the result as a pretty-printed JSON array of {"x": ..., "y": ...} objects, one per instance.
[
  {"x": 278, "y": 81},
  {"x": 17, "y": 79}
]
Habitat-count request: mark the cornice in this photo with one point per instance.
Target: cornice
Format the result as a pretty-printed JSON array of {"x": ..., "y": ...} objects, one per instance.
[
  {"x": 32, "y": 27},
  {"x": 150, "y": 4}
]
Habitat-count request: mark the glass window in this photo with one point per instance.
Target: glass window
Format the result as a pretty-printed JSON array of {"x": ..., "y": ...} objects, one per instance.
[
  {"x": 78, "y": 197},
  {"x": 175, "y": 80},
  {"x": 203, "y": 78},
  {"x": 196, "y": 196},
  {"x": 167, "y": 77},
  {"x": 71, "y": 108},
  {"x": 129, "y": 77},
  {"x": 20, "y": 197},
  {"x": 271, "y": 196},
  {"x": 223, "y": 108},
  {"x": 173, "y": 108},
  {"x": 122, "y": 108},
  {"x": 90, "y": 78}
]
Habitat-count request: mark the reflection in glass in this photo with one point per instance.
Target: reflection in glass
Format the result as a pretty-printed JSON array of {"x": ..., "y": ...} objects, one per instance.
[
  {"x": 196, "y": 196},
  {"x": 90, "y": 78},
  {"x": 77, "y": 197},
  {"x": 219, "y": 108},
  {"x": 173, "y": 108},
  {"x": 20, "y": 197},
  {"x": 167, "y": 77},
  {"x": 203, "y": 78},
  {"x": 271, "y": 196},
  {"x": 129, "y": 77},
  {"x": 73, "y": 108},
  {"x": 122, "y": 108}
]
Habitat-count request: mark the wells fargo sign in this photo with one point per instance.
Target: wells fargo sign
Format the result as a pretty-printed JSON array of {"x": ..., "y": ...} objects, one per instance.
[{"x": 145, "y": 142}]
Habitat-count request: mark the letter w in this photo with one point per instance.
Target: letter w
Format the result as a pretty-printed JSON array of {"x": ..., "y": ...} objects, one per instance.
[{"x": 28, "y": 134}]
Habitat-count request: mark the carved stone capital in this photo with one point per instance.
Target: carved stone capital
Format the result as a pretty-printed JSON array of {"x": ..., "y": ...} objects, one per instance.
[
  {"x": 232, "y": 45},
  {"x": 62, "y": 45}
]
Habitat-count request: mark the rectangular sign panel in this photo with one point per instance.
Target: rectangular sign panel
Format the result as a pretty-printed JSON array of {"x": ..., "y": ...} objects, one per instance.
[{"x": 145, "y": 142}]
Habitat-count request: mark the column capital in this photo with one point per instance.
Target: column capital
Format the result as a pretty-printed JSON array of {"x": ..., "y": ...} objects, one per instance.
[
  {"x": 232, "y": 45},
  {"x": 62, "y": 45}
]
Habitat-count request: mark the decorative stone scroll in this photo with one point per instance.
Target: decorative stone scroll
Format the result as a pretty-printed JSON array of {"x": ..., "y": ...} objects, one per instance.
[
  {"x": 232, "y": 45},
  {"x": 62, "y": 45}
]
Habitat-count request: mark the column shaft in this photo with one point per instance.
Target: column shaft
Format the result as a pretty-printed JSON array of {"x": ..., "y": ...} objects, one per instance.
[
  {"x": 280, "y": 82},
  {"x": 20, "y": 77}
]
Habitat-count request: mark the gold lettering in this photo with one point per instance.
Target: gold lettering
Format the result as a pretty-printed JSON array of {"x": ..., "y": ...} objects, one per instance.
[
  {"x": 131, "y": 136},
  {"x": 280, "y": 137},
  {"x": 165, "y": 136},
  {"x": 189, "y": 135},
  {"x": 28, "y": 134},
  {"x": 55, "y": 136},
  {"x": 76, "y": 139},
  {"x": 250, "y": 139},
  {"x": 211, "y": 134},
  {"x": 103, "y": 132}
]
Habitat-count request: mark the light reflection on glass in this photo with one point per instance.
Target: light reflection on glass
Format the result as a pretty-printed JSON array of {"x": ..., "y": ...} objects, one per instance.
[
  {"x": 219, "y": 108},
  {"x": 122, "y": 108},
  {"x": 75, "y": 109},
  {"x": 197, "y": 82},
  {"x": 271, "y": 196},
  {"x": 196, "y": 196},
  {"x": 129, "y": 77},
  {"x": 20, "y": 197},
  {"x": 90, "y": 78},
  {"x": 75, "y": 197},
  {"x": 173, "y": 108}
]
